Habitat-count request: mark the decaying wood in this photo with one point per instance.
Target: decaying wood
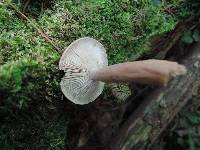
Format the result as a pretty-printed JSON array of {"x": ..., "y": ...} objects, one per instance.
[
  {"x": 172, "y": 38},
  {"x": 153, "y": 115},
  {"x": 162, "y": 44}
]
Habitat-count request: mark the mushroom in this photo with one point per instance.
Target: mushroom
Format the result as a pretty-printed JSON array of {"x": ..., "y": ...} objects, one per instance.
[{"x": 86, "y": 70}]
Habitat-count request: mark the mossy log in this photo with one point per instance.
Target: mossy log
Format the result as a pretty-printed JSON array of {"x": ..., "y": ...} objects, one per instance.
[{"x": 158, "y": 109}]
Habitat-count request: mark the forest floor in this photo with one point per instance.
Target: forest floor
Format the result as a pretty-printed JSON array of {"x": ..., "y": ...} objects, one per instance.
[{"x": 33, "y": 112}]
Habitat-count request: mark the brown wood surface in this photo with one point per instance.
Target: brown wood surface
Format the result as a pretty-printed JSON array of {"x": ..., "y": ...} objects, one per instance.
[{"x": 158, "y": 109}]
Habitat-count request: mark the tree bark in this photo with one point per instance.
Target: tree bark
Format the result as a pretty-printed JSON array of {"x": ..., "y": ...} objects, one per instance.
[{"x": 158, "y": 109}]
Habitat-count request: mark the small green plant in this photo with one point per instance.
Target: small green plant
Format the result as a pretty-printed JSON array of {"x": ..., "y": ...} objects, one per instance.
[
  {"x": 187, "y": 127},
  {"x": 190, "y": 37}
]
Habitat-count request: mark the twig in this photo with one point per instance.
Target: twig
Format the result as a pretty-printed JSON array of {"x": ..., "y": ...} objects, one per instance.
[{"x": 35, "y": 27}]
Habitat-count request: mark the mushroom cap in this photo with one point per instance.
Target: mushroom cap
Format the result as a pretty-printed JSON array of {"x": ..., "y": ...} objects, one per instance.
[{"x": 79, "y": 60}]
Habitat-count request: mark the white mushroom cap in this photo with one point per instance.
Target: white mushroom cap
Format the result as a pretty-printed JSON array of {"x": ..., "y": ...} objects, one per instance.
[{"x": 79, "y": 60}]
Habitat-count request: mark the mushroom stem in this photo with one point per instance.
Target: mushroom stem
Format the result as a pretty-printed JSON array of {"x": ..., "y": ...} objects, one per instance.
[{"x": 156, "y": 72}]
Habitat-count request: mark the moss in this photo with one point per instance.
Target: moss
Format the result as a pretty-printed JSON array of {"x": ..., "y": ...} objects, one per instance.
[{"x": 124, "y": 27}]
